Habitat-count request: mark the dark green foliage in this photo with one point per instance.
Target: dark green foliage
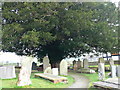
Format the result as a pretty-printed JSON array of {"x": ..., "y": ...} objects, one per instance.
[{"x": 59, "y": 29}]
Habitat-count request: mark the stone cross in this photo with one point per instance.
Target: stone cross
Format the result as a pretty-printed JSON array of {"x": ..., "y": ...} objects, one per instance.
[
  {"x": 46, "y": 63},
  {"x": 85, "y": 63},
  {"x": 63, "y": 67},
  {"x": 113, "y": 71},
  {"x": 101, "y": 69}
]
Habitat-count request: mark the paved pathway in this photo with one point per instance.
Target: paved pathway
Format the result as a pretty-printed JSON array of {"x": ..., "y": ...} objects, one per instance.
[{"x": 80, "y": 81}]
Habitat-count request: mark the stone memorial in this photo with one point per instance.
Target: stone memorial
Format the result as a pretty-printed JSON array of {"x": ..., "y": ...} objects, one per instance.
[
  {"x": 111, "y": 61},
  {"x": 55, "y": 71},
  {"x": 25, "y": 71},
  {"x": 63, "y": 67},
  {"x": 48, "y": 70},
  {"x": 34, "y": 66},
  {"x": 118, "y": 71},
  {"x": 75, "y": 67},
  {"x": 79, "y": 64},
  {"x": 46, "y": 63},
  {"x": 7, "y": 72},
  {"x": 85, "y": 63},
  {"x": 74, "y": 62},
  {"x": 101, "y": 69},
  {"x": 113, "y": 71}
]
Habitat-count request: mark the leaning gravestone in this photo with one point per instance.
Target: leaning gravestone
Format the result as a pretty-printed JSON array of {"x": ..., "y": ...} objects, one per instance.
[
  {"x": 63, "y": 67},
  {"x": 55, "y": 71},
  {"x": 46, "y": 63},
  {"x": 113, "y": 71},
  {"x": 101, "y": 69},
  {"x": 85, "y": 63}
]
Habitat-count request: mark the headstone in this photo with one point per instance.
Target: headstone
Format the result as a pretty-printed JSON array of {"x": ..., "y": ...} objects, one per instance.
[
  {"x": 118, "y": 71},
  {"x": 113, "y": 71},
  {"x": 63, "y": 67},
  {"x": 25, "y": 71},
  {"x": 78, "y": 64},
  {"x": 101, "y": 69},
  {"x": 34, "y": 66},
  {"x": 55, "y": 71},
  {"x": 74, "y": 62},
  {"x": 85, "y": 63},
  {"x": 75, "y": 67},
  {"x": 7, "y": 72},
  {"x": 48, "y": 70},
  {"x": 111, "y": 61},
  {"x": 45, "y": 62}
]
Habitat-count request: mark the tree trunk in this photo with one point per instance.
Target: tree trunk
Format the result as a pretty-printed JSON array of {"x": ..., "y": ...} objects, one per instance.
[{"x": 25, "y": 71}]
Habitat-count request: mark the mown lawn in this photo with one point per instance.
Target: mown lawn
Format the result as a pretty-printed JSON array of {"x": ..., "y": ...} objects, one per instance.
[{"x": 37, "y": 83}]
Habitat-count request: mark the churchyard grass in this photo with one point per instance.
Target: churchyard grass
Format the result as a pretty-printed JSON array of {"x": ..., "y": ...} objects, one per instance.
[{"x": 36, "y": 83}]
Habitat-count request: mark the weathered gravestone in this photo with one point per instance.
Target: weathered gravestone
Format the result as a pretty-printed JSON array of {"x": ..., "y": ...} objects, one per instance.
[
  {"x": 55, "y": 71},
  {"x": 48, "y": 70},
  {"x": 79, "y": 64},
  {"x": 113, "y": 71},
  {"x": 25, "y": 71},
  {"x": 85, "y": 63},
  {"x": 75, "y": 67},
  {"x": 7, "y": 72},
  {"x": 46, "y": 63},
  {"x": 63, "y": 67},
  {"x": 111, "y": 61},
  {"x": 118, "y": 70},
  {"x": 101, "y": 69},
  {"x": 34, "y": 66},
  {"x": 74, "y": 62}
]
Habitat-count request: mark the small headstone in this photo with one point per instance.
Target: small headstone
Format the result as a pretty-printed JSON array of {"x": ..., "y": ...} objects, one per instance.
[
  {"x": 111, "y": 61},
  {"x": 101, "y": 69},
  {"x": 34, "y": 66},
  {"x": 113, "y": 71},
  {"x": 74, "y": 62},
  {"x": 46, "y": 63},
  {"x": 75, "y": 67},
  {"x": 48, "y": 70},
  {"x": 79, "y": 64},
  {"x": 118, "y": 70},
  {"x": 55, "y": 71},
  {"x": 63, "y": 67},
  {"x": 85, "y": 63}
]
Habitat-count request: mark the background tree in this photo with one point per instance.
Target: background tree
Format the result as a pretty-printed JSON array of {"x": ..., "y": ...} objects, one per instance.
[{"x": 59, "y": 29}]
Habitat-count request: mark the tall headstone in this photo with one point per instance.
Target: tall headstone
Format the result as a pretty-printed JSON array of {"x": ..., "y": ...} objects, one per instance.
[
  {"x": 55, "y": 71},
  {"x": 113, "y": 71},
  {"x": 101, "y": 69},
  {"x": 75, "y": 67},
  {"x": 118, "y": 71},
  {"x": 46, "y": 63},
  {"x": 111, "y": 61},
  {"x": 63, "y": 67},
  {"x": 79, "y": 64},
  {"x": 85, "y": 63}
]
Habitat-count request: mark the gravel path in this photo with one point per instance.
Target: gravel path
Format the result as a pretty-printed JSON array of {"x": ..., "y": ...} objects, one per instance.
[{"x": 80, "y": 81}]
